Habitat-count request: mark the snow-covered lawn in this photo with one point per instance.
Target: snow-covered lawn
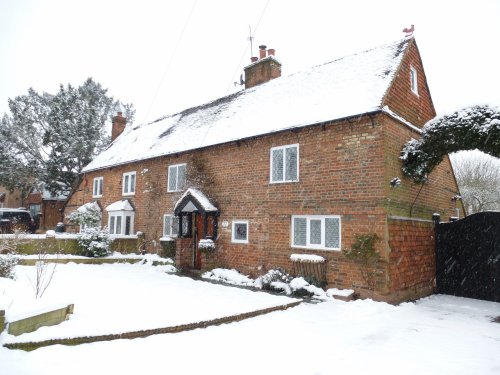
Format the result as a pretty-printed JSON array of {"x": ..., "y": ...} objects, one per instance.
[
  {"x": 435, "y": 335},
  {"x": 117, "y": 298}
]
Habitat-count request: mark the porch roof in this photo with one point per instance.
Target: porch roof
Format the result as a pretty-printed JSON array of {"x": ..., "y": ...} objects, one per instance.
[{"x": 192, "y": 200}]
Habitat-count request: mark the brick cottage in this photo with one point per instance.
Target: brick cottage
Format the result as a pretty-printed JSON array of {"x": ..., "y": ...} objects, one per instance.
[{"x": 302, "y": 165}]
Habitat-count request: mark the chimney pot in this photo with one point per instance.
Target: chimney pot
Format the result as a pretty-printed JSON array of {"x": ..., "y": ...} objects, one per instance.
[
  {"x": 271, "y": 52},
  {"x": 262, "y": 51},
  {"x": 254, "y": 59}
]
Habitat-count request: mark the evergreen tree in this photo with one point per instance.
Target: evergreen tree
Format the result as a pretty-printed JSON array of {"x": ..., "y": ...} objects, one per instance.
[
  {"x": 48, "y": 139},
  {"x": 476, "y": 127}
]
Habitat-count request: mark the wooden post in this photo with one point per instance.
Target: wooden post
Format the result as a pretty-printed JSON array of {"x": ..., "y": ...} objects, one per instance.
[{"x": 205, "y": 225}]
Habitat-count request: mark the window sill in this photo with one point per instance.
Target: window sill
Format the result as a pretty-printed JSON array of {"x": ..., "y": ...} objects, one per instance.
[
  {"x": 282, "y": 182},
  {"x": 315, "y": 248}
]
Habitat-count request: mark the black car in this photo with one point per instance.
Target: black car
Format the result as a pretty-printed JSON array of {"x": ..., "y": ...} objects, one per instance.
[{"x": 12, "y": 219}]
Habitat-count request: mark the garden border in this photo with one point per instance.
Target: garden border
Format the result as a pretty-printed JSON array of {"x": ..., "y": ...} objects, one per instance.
[{"x": 29, "y": 346}]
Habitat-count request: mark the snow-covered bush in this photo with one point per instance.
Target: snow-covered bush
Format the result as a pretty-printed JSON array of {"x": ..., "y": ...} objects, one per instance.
[
  {"x": 270, "y": 280},
  {"x": 94, "y": 242},
  {"x": 88, "y": 215},
  {"x": 7, "y": 264}
]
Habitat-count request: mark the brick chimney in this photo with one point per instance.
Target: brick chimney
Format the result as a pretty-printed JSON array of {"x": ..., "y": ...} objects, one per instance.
[
  {"x": 262, "y": 69},
  {"x": 118, "y": 127}
]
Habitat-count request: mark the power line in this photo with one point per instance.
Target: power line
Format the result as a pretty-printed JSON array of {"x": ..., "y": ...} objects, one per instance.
[
  {"x": 186, "y": 23},
  {"x": 241, "y": 61}
]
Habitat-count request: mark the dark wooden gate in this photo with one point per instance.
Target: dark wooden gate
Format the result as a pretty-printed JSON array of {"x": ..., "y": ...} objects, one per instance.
[{"x": 468, "y": 257}]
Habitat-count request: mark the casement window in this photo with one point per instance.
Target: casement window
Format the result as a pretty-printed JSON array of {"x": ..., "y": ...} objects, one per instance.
[
  {"x": 240, "y": 231},
  {"x": 170, "y": 226},
  {"x": 316, "y": 232},
  {"x": 121, "y": 222},
  {"x": 128, "y": 185},
  {"x": 97, "y": 187},
  {"x": 284, "y": 164},
  {"x": 176, "y": 177},
  {"x": 413, "y": 80}
]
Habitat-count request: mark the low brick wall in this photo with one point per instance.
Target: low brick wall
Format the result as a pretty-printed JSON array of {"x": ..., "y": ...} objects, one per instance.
[
  {"x": 32, "y": 323},
  {"x": 28, "y": 346},
  {"x": 412, "y": 260}
]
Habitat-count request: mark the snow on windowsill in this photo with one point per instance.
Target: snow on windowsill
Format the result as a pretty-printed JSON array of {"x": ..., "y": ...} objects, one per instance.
[
  {"x": 124, "y": 236},
  {"x": 167, "y": 239},
  {"x": 307, "y": 258},
  {"x": 339, "y": 292}
]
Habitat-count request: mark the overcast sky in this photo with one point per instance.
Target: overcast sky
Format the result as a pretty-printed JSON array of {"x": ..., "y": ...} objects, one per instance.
[{"x": 165, "y": 56}]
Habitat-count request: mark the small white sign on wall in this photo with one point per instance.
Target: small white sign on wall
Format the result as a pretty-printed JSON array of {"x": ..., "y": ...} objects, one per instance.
[{"x": 225, "y": 224}]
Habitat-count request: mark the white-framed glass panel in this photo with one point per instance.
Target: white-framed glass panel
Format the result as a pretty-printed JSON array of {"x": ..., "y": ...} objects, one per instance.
[
  {"x": 170, "y": 225},
  {"x": 128, "y": 183},
  {"x": 284, "y": 164},
  {"x": 316, "y": 232},
  {"x": 121, "y": 222},
  {"x": 239, "y": 231},
  {"x": 97, "y": 187},
  {"x": 176, "y": 177},
  {"x": 414, "y": 80}
]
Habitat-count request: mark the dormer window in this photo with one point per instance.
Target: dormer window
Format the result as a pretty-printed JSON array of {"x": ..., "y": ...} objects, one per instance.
[{"x": 413, "y": 80}]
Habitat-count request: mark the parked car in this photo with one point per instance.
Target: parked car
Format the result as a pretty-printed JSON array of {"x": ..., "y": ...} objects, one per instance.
[{"x": 12, "y": 219}]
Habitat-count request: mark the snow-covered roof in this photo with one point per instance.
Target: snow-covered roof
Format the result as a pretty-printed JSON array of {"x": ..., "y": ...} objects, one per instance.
[
  {"x": 123, "y": 205},
  {"x": 201, "y": 198},
  {"x": 346, "y": 87},
  {"x": 89, "y": 206}
]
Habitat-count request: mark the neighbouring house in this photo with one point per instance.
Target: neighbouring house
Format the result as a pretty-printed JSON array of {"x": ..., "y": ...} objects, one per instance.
[
  {"x": 286, "y": 173},
  {"x": 10, "y": 199},
  {"x": 45, "y": 208}
]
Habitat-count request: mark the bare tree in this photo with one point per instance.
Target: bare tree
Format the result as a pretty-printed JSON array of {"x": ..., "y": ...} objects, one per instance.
[{"x": 478, "y": 177}]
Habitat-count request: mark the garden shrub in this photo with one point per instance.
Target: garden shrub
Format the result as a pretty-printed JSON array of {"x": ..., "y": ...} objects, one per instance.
[
  {"x": 94, "y": 242},
  {"x": 7, "y": 264},
  {"x": 276, "y": 275}
]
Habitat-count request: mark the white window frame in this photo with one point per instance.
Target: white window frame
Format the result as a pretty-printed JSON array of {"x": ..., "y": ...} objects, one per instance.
[
  {"x": 296, "y": 145},
  {"x": 173, "y": 229},
  {"x": 413, "y": 80},
  {"x": 97, "y": 187},
  {"x": 233, "y": 231},
  {"x": 308, "y": 229},
  {"x": 178, "y": 187},
  {"x": 123, "y": 217},
  {"x": 129, "y": 188}
]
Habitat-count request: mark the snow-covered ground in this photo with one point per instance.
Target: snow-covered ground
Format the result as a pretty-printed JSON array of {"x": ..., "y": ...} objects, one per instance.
[
  {"x": 435, "y": 335},
  {"x": 117, "y": 298}
]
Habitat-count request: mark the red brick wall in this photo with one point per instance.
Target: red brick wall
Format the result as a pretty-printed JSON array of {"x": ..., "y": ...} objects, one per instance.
[
  {"x": 412, "y": 259},
  {"x": 409, "y": 199},
  {"x": 418, "y": 109}
]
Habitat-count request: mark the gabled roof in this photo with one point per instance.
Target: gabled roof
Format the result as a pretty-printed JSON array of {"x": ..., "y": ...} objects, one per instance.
[
  {"x": 346, "y": 87},
  {"x": 197, "y": 199}
]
